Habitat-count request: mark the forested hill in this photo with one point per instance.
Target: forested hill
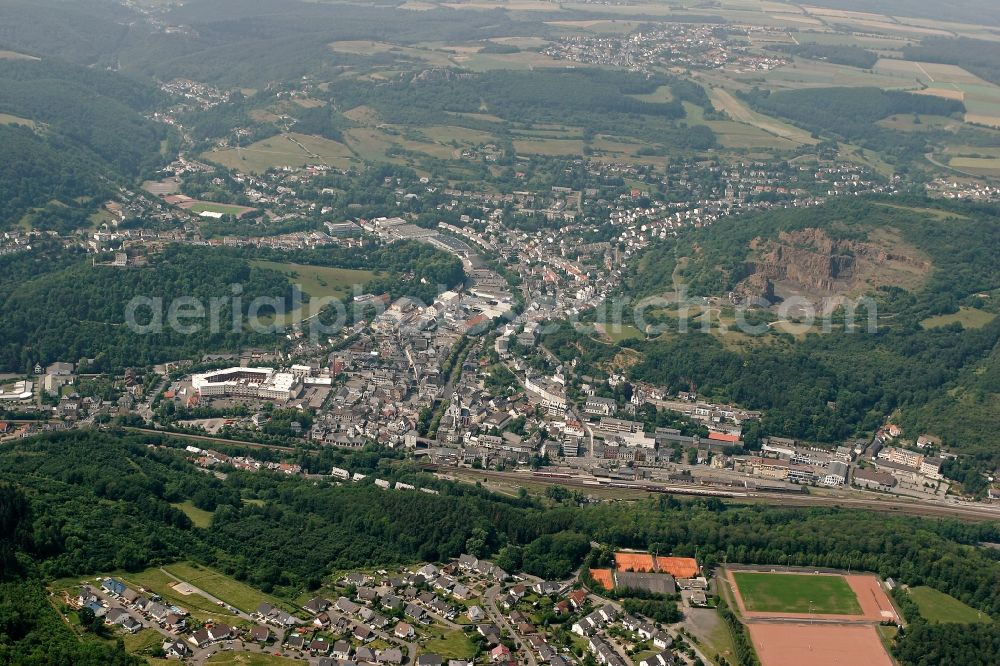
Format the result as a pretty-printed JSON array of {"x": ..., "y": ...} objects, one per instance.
[
  {"x": 80, "y": 503},
  {"x": 86, "y": 32},
  {"x": 70, "y": 135},
  {"x": 233, "y": 42},
  {"x": 66, "y": 308},
  {"x": 78, "y": 311},
  {"x": 961, "y": 243},
  {"x": 933, "y": 361}
]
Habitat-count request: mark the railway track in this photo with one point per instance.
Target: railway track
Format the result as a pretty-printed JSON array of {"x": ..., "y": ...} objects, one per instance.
[
  {"x": 216, "y": 440},
  {"x": 903, "y": 507}
]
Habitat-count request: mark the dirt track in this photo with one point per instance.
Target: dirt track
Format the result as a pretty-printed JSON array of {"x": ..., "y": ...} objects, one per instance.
[{"x": 818, "y": 645}]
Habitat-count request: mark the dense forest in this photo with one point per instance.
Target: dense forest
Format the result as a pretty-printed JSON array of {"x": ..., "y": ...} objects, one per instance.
[
  {"x": 926, "y": 644},
  {"x": 37, "y": 169},
  {"x": 851, "y": 114},
  {"x": 829, "y": 387},
  {"x": 99, "y": 111},
  {"x": 81, "y": 132},
  {"x": 233, "y": 42},
  {"x": 37, "y": 307},
  {"x": 979, "y": 56},
  {"x": 597, "y": 100},
  {"x": 80, "y": 311},
  {"x": 62, "y": 491},
  {"x": 85, "y": 32}
]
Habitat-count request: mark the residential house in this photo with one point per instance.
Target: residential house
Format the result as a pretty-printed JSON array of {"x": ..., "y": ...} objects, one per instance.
[
  {"x": 500, "y": 653},
  {"x": 428, "y": 659},
  {"x": 260, "y": 633},
  {"x": 403, "y": 630},
  {"x": 604, "y": 653},
  {"x": 176, "y": 649},
  {"x": 390, "y": 656},
  {"x": 346, "y": 606},
  {"x": 596, "y": 620},
  {"x": 316, "y": 605},
  {"x": 174, "y": 622},
  {"x": 664, "y": 658},
  {"x": 158, "y": 611},
  {"x": 577, "y": 598},
  {"x": 416, "y": 613},
  {"x": 113, "y": 586},
  {"x": 356, "y": 579},
  {"x": 113, "y": 615},
  {"x": 219, "y": 632},
  {"x": 341, "y": 650}
]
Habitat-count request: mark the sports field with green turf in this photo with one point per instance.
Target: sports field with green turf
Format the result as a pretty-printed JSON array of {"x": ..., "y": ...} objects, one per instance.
[{"x": 796, "y": 593}]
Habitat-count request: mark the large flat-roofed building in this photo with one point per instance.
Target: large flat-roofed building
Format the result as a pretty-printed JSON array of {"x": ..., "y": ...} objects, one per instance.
[
  {"x": 597, "y": 406},
  {"x": 248, "y": 382},
  {"x": 551, "y": 394},
  {"x": 901, "y": 456},
  {"x": 836, "y": 474}
]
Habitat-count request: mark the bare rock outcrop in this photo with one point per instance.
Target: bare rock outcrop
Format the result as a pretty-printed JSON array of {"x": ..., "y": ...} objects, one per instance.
[{"x": 810, "y": 260}]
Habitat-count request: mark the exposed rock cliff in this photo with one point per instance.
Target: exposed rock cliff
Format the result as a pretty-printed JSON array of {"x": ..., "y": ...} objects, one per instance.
[{"x": 811, "y": 261}]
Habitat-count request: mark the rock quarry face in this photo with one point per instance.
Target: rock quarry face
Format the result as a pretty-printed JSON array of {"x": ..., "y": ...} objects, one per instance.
[{"x": 811, "y": 261}]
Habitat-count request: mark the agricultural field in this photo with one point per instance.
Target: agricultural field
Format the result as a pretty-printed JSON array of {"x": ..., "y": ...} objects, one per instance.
[
  {"x": 918, "y": 123},
  {"x": 451, "y": 135},
  {"x": 980, "y": 166},
  {"x": 377, "y": 145},
  {"x": 367, "y": 47},
  {"x": 612, "y": 26},
  {"x": 524, "y": 60},
  {"x": 803, "y": 73},
  {"x": 939, "y": 607},
  {"x": 661, "y": 94},
  {"x": 797, "y": 593},
  {"x": 548, "y": 146},
  {"x": 981, "y": 98},
  {"x": 779, "y": 134},
  {"x": 290, "y": 149}
]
